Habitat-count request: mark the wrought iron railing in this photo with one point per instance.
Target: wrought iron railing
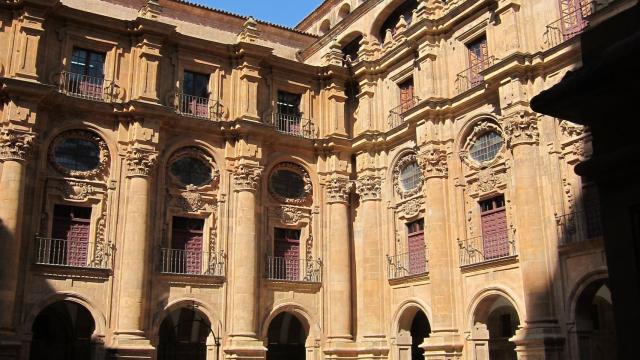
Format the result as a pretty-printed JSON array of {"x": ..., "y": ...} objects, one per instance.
[
  {"x": 471, "y": 77},
  {"x": 294, "y": 125},
  {"x": 483, "y": 248},
  {"x": 569, "y": 25},
  {"x": 192, "y": 262},
  {"x": 293, "y": 269},
  {"x": 69, "y": 253},
  {"x": 198, "y": 107},
  {"x": 87, "y": 87},
  {"x": 396, "y": 115},
  {"x": 408, "y": 264},
  {"x": 579, "y": 226}
]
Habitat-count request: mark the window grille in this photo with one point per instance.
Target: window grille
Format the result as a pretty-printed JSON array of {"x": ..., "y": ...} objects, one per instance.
[
  {"x": 411, "y": 176},
  {"x": 77, "y": 154},
  {"x": 486, "y": 146}
]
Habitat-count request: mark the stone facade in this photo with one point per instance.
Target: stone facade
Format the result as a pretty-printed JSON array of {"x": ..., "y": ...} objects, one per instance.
[{"x": 411, "y": 121}]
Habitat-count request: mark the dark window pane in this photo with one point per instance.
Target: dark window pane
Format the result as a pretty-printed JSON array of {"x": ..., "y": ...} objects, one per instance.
[
  {"x": 77, "y": 154},
  {"x": 191, "y": 171},
  {"x": 87, "y": 62},
  {"x": 287, "y": 234},
  {"x": 287, "y": 184},
  {"x": 288, "y": 103},
  {"x": 196, "y": 84}
]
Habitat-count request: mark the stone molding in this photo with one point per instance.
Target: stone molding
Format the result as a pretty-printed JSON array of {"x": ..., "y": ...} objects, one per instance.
[
  {"x": 246, "y": 177},
  {"x": 140, "y": 162},
  {"x": 404, "y": 161},
  {"x": 369, "y": 187},
  {"x": 433, "y": 161},
  {"x": 338, "y": 188},
  {"x": 480, "y": 128},
  {"x": 16, "y": 145},
  {"x": 521, "y": 128},
  {"x": 103, "y": 166}
]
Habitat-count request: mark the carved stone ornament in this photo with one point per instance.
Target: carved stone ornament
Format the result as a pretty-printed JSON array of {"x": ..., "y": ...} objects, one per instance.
[
  {"x": 433, "y": 161},
  {"x": 192, "y": 201},
  {"x": 570, "y": 129},
  {"x": 522, "y": 128},
  {"x": 289, "y": 215},
  {"x": 76, "y": 190},
  {"x": 140, "y": 162},
  {"x": 338, "y": 188},
  {"x": 247, "y": 177},
  {"x": 480, "y": 128},
  {"x": 16, "y": 145},
  {"x": 487, "y": 181},
  {"x": 369, "y": 187},
  {"x": 412, "y": 207},
  {"x": 196, "y": 153},
  {"x": 400, "y": 165},
  {"x": 99, "y": 171},
  {"x": 306, "y": 198},
  {"x": 104, "y": 247}
]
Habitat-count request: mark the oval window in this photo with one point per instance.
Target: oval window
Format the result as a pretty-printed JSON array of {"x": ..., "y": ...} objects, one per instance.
[
  {"x": 288, "y": 184},
  {"x": 191, "y": 171},
  {"x": 76, "y": 154},
  {"x": 410, "y": 176},
  {"x": 486, "y": 147}
]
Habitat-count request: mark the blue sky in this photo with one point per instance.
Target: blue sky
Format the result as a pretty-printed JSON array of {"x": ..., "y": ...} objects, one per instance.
[{"x": 283, "y": 12}]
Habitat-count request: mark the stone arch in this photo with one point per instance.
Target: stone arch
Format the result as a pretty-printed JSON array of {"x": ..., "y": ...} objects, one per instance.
[
  {"x": 387, "y": 14},
  {"x": 407, "y": 310},
  {"x": 203, "y": 146},
  {"x": 469, "y": 124},
  {"x": 279, "y": 159},
  {"x": 178, "y": 304},
  {"x": 343, "y": 11},
  {"x": 411, "y": 326},
  {"x": 309, "y": 323},
  {"x": 325, "y": 27},
  {"x": 581, "y": 285}
]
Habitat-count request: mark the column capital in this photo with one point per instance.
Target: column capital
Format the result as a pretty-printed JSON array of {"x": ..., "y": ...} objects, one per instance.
[
  {"x": 338, "y": 188},
  {"x": 369, "y": 187},
  {"x": 521, "y": 128},
  {"x": 433, "y": 161},
  {"x": 246, "y": 177},
  {"x": 140, "y": 162},
  {"x": 16, "y": 145}
]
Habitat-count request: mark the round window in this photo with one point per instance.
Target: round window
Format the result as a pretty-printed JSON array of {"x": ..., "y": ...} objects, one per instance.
[
  {"x": 191, "y": 171},
  {"x": 486, "y": 146},
  {"x": 410, "y": 176},
  {"x": 288, "y": 184},
  {"x": 76, "y": 154}
]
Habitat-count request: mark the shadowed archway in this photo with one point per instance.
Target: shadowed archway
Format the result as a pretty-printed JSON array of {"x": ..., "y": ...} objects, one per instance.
[
  {"x": 183, "y": 335},
  {"x": 595, "y": 325},
  {"x": 286, "y": 338}
]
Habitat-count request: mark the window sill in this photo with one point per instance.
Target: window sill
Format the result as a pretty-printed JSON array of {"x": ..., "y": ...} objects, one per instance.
[
  {"x": 409, "y": 279},
  {"x": 507, "y": 260},
  {"x": 71, "y": 272},
  {"x": 193, "y": 279},
  {"x": 290, "y": 285}
]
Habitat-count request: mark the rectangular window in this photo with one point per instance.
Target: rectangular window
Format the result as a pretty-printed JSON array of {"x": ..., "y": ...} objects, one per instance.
[
  {"x": 406, "y": 95},
  {"x": 478, "y": 60},
  {"x": 288, "y": 103},
  {"x": 417, "y": 248},
  {"x": 286, "y": 254},
  {"x": 494, "y": 228},
  {"x": 186, "y": 245},
  {"x": 86, "y": 75},
  {"x": 196, "y": 84},
  {"x": 70, "y": 233}
]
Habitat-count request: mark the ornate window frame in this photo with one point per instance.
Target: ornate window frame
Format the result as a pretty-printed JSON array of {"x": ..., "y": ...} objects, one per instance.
[
  {"x": 306, "y": 199},
  {"x": 482, "y": 127},
  {"x": 403, "y": 162},
  {"x": 105, "y": 158},
  {"x": 197, "y": 153}
]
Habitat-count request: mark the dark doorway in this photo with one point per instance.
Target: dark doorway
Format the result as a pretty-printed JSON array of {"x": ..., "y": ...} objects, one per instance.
[
  {"x": 594, "y": 323},
  {"x": 286, "y": 338},
  {"x": 420, "y": 330},
  {"x": 62, "y": 331},
  {"x": 183, "y": 335}
]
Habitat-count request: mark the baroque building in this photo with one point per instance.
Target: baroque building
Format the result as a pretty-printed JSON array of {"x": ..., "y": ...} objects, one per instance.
[{"x": 179, "y": 182}]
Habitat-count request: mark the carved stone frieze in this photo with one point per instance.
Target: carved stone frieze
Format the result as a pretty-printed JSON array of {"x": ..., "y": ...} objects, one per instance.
[
  {"x": 570, "y": 129},
  {"x": 16, "y": 145},
  {"x": 99, "y": 172},
  {"x": 412, "y": 207},
  {"x": 433, "y": 161},
  {"x": 78, "y": 191},
  {"x": 369, "y": 187},
  {"x": 290, "y": 215},
  {"x": 397, "y": 171},
  {"x": 140, "y": 162},
  {"x": 488, "y": 181},
  {"x": 246, "y": 177},
  {"x": 338, "y": 189},
  {"x": 521, "y": 128}
]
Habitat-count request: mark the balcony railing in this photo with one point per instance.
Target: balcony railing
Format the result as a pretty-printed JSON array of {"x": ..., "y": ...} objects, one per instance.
[
  {"x": 569, "y": 25},
  {"x": 408, "y": 264},
  {"x": 87, "y": 87},
  {"x": 396, "y": 115},
  {"x": 67, "y": 253},
  {"x": 294, "y": 125},
  {"x": 482, "y": 249},
  {"x": 198, "y": 107},
  {"x": 192, "y": 262},
  {"x": 579, "y": 226},
  {"x": 293, "y": 269},
  {"x": 471, "y": 77}
]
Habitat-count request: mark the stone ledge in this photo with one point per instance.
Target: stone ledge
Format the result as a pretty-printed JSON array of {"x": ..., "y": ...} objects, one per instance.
[
  {"x": 296, "y": 286},
  {"x": 507, "y": 260},
  {"x": 70, "y": 272}
]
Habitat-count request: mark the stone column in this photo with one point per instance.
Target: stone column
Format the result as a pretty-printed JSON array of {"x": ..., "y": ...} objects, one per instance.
[
  {"x": 369, "y": 269},
  {"x": 15, "y": 150},
  {"x": 244, "y": 342},
  {"x": 539, "y": 337},
  {"x": 444, "y": 341},
  {"x": 339, "y": 262},
  {"x": 134, "y": 268}
]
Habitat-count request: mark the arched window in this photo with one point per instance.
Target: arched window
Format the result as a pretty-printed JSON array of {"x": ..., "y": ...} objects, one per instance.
[
  {"x": 344, "y": 11},
  {"x": 486, "y": 146},
  {"x": 191, "y": 171},
  {"x": 325, "y": 26},
  {"x": 405, "y": 9},
  {"x": 290, "y": 183},
  {"x": 79, "y": 153},
  {"x": 407, "y": 176},
  {"x": 410, "y": 176},
  {"x": 352, "y": 48}
]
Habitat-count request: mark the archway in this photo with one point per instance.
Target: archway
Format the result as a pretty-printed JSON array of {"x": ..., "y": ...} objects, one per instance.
[
  {"x": 286, "y": 338},
  {"x": 413, "y": 329},
  {"x": 495, "y": 322},
  {"x": 62, "y": 331},
  {"x": 595, "y": 324},
  {"x": 183, "y": 335}
]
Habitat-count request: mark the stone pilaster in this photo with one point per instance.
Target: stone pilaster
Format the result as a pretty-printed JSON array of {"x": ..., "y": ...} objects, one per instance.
[
  {"x": 130, "y": 339},
  {"x": 15, "y": 150},
  {"x": 444, "y": 342},
  {"x": 244, "y": 342},
  {"x": 539, "y": 336}
]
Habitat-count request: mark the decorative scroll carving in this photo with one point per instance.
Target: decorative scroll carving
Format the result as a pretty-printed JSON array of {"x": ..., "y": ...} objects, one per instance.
[
  {"x": 290, "y": 215},
  {"x": 140, "y": 162},
  {"x": 338, "y": 189},
  {"x": 570, "y": 129},
  {"x": 16, "y": 145},
  {"x": 480, "y": 128},
  {"x": 101, "y": 171},
  {"x": 76, "y": 190},
  {"x": 306, "y": 198},
  {"x": 104, "y": 247},
  {"x": 247, "y": 177},
  {"x": 487, "y": 181},
  {"x": 400, "y": 165},
  {"x": 433, "y": 161},
  {"x": 369, "y": 187},
  {"x": 412, "y": 207},
  {"x": 522, "y": 128}
]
